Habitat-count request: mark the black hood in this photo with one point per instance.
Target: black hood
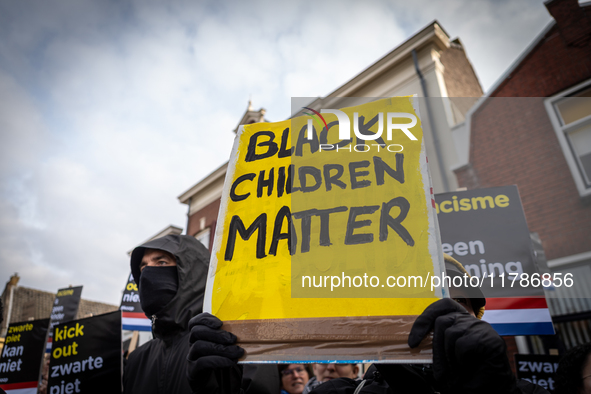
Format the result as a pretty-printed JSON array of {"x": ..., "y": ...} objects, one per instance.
[{"x": 192, "y": 259}]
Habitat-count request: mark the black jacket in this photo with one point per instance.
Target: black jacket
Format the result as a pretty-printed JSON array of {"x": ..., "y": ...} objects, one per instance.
[
  {"x": 160, "y": 365},
  {"x": 402, "y": 379}
]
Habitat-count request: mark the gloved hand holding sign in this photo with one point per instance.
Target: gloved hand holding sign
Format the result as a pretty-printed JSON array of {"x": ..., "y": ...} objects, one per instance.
[
  {"x": 468, "y": 354},
  {"x": 212, "y": 360}
]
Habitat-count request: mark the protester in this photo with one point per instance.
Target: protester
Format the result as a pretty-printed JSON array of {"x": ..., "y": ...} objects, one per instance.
[
  {"x": 325, "y": 372},
  {"x": 42, "y": 388},
  {"x": 294, "y": 378},
  {"x": 468, "y": 354},
  {"x": 171, "y": 274},
  {"x": 573, "y": 375},
  {"x": 471, "y": 298}
]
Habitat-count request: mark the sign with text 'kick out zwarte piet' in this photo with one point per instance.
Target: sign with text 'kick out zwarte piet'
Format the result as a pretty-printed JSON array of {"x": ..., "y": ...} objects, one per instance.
[
  {"x": 20, "y": 363},
  {"x": 86, "y": 356},
  {"x": 327, "y": 237}
]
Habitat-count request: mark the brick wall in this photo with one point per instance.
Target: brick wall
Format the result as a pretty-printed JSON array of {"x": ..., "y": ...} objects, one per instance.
[
  {"x": 33, "y": 304},
  {"x": 92, "y": 308},
  {"x": 210, "y": 213},
  {"x": 553, "y": 65},
  {"x": 573, "y": 21},
  {"x": 460, "y": 78},
  {"x": 513, "y": 142}
]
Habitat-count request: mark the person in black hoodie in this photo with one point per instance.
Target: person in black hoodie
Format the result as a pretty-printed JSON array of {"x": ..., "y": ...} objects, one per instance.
[{"x": 171, "y": 273}]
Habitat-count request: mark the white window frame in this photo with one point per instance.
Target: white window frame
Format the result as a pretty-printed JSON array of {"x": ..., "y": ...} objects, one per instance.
[
  {"x": 200, "y": 234},
  {"x": 583, "y": 186}
]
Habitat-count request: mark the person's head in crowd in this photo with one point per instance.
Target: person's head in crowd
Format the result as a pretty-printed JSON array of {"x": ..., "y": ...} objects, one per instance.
[
  {"x": 157, "y": 258},
  {"x": 471, "y": 298},
  {"x": 171, "y": 275},
  {"x": 573, "y": 375},
  {"x": 326, "y": 372},
  {"x": 294, "y": 377}
]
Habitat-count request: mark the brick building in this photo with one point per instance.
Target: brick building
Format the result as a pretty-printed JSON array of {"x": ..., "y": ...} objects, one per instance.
[
  {"x": 533, "y": 129},
  {"x": 429, "y": 64},
  {"x": 22, "y": 304}
]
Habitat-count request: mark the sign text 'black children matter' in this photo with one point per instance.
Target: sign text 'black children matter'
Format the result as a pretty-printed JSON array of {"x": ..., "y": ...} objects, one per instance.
[{"x": 348, "y": 199}]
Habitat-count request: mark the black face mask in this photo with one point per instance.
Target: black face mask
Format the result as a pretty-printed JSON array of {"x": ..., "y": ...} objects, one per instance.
[{"x": 158, "y": 286}]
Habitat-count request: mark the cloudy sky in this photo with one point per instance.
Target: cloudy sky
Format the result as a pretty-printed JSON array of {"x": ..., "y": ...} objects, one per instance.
[{"x": 111, "y": 109}]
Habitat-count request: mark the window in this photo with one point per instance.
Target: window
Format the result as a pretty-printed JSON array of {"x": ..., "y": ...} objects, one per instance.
[
  {"x": 570, "y": 113},
  {"x": 203, "y": 237}
]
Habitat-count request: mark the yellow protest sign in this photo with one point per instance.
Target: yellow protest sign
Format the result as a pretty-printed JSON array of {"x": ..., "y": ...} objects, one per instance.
[{"x": 326, "y": 230}]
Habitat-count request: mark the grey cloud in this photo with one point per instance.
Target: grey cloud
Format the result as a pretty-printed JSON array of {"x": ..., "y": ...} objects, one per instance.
[{"x": 109, "y": 110}]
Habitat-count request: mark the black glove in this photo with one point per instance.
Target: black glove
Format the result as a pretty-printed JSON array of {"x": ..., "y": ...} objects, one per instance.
[
  {"x": 468, "y": 354},
  {"x": 212, "y": 360}
]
